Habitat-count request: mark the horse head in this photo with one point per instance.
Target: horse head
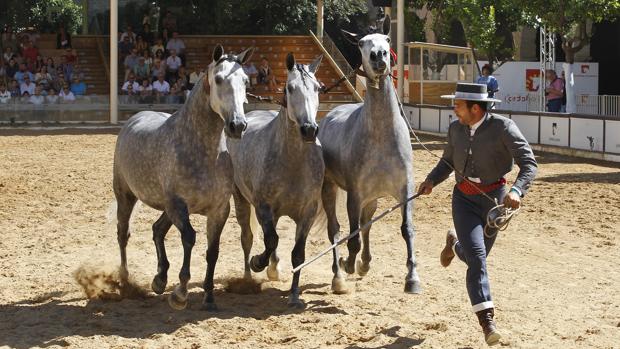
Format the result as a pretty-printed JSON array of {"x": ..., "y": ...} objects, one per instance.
[
  {"x": 375, "y": 49},
  {"x": 302, "y": 96},
  {"x": 227, "y": 83}
]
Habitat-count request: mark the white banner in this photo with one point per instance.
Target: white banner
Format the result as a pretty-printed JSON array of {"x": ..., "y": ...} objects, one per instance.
[
  {"x": 554, "y": 131},
  {"x": 612, "y": 136},
  {"x": 520, "y": 81},
  {"x": 586, "y": 134}
]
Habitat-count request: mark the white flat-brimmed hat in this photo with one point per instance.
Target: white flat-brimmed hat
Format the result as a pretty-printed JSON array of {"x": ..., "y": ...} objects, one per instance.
[{"x": 471, "y": 92}]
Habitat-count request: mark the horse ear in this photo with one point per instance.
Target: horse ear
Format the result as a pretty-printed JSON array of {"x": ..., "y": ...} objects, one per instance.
[
  {"x": 352, "y": 38},
  {"x": 218, "y": 52},
  {"x": 387, "y": 23},
  {"x": 314, "y": 66},
  {"x": 245, "y": 56},
  {"x": 290, "y": 61}
]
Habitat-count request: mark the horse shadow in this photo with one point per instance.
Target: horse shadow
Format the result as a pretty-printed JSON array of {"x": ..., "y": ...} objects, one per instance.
[
  {"x": 46, "y": 320},
  {"x": 399, "y": 343}
]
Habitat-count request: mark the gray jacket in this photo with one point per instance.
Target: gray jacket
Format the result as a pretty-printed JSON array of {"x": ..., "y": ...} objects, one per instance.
[{"x": 495, "y": 144}]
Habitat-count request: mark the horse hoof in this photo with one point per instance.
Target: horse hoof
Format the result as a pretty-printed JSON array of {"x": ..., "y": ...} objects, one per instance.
[
  {"x": 362, "y": 268},
  {"x": 295, "y": 303},
  {"x": 123, "y": 275},
  {"x": 273, "y": 273},
  {"x": 345, "y": 266},
  {"x": 339, "y": 286},
  {"x": 176, "y": 302},
  {"x": 159, "y": 284},
  {"x": 209, "y": 307},
  {"x": 254, "y": 266},
  {"x": 413, "y": 287}
]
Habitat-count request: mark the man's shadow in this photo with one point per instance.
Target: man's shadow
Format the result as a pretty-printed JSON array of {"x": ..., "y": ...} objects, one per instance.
[{"x": 46, "y": 320}]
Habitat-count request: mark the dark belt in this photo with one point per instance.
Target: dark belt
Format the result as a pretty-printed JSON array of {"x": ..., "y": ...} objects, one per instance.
[{"x": 468, "y": 187}]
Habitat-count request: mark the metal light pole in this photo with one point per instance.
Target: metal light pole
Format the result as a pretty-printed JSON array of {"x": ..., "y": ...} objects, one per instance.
[{"x": 113, "y": 61}]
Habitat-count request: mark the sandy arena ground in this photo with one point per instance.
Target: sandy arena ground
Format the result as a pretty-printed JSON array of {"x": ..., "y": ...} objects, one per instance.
[{"x": 554, "y": 272}]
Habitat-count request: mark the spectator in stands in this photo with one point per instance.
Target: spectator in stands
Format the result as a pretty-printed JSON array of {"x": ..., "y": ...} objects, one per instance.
[
  {"x": 25, "y": 97},
  {"x": 5, "y": 95},
  {"x": 159, "y": 46},
  {"x": 194, "y": 77},
  {"x": 37, "y": 98},
  {"x": 147, "y": 34},
  {"x": 129, "y": 34},
  {"x": 9, "y": 39},
  {"x": 141, "y": 45},
  {"x": 131, "y": 81},
  {"x": 43, "y": 78},
  {"x": 39, "y": 63},
  {"x": 183, "y": 78},
  {"x": 130, "y": 62},
  {"x": 66, "y": 96},
  {"x": 176, "y": 93},
  {"x": 15, "y": 90},
  {"x": 8, "y": 54},
  {"x": 77, "y": 72},
  {"x": 173, "y": 63},
  {"x": 51, "y": 66},
  {"x": 72, "y": 56},
  {"x": 141, "y": 70},
  {"x": 148, "y": 59},
  {"x": 27, "y": 85},
  {"x": 30, "y": 65},
  {"x": 161, "y": 87},
  {"x": 177, "y": 45},
  {"x": 2, "y": 70},
  {"x": 159, "y": 54},
  {"x": 146, "y": 89},
  {"x": 60, "y": 80},
  {"x": 30, "y": 35},
  {"x": 265, "y": 75},
  {"x": 169, "y": 23},
  {"x": 12, "y": 68},
  {"x": 78, "y": 87},
  {"x": 124, "y": 48},
  {"x": 30, "y": 52},
  {"x": 67, "y": 68},
  {"x": 158, "y": 68},
  {"x": 23, "y": 72},
  {"x": 250, "y": 70},
  {"x": 553, "y": 91},
  {"x": 52, "y": 97},
  {"x": 63, "y": 39}
]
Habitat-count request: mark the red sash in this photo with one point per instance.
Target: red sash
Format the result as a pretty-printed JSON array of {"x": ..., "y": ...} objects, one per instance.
[{"x": 468, "y": 187}]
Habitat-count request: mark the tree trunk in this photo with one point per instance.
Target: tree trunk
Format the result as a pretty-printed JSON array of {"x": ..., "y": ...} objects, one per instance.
[{"x": 571, "y": 106}]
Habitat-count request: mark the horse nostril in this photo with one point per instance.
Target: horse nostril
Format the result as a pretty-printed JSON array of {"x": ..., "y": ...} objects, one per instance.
[
  {"x": 373, "y": 56},
  {"x": 231, "y": 126}
]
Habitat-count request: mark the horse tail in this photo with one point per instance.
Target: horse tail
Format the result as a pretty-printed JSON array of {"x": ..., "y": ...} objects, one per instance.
[{"x": 253, "y": 220}]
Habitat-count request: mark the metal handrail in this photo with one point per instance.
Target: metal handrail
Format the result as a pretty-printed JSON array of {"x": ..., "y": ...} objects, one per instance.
[{"x": 338, "y": 62}]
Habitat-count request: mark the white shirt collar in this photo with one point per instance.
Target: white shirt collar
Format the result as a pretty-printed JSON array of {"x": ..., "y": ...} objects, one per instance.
[{"x": 474, "y": 127}]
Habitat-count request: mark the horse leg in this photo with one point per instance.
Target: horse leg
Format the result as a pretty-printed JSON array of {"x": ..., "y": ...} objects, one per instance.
[
  {"x": 273, "y": 271},
  {"x": 364, "y": 265},
  {"x": 412, "y": 281},
  {"x": 178, "y": 213},
  {"x": 242, "y": 209},
  {"x": 354, "y": 244},
  {"x": 270, "y": 237},
  {"x": 215, "y": 225},
  {"x": 328, "y": 196},
  {"x": 298, "y": 256},
  {"x": 125, "y": 201},
  {"x": 160, "y": 229}
]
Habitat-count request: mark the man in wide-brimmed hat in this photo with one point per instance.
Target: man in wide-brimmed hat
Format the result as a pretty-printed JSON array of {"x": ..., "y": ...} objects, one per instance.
[{"x": 482, "y": 148}]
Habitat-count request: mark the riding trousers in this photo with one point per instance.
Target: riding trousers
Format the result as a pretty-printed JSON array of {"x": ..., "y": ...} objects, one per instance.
[{"x": 469, "y": 214}]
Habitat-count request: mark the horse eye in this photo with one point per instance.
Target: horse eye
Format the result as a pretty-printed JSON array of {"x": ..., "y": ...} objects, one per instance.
[
  {"x": 388, "y": 39},
  {"x": 360, "y": 43},
  {"x": 219, "y": 80}
]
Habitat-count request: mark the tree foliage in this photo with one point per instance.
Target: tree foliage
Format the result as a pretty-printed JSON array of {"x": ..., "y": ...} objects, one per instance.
[
  {"x": 44, "y": 16},
  {"x": 569, "y": 19}
]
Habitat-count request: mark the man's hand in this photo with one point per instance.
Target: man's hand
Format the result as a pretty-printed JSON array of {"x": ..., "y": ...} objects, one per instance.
[
  {"x": 426, "y": 187},
  {"x": 512, "y": 200}
]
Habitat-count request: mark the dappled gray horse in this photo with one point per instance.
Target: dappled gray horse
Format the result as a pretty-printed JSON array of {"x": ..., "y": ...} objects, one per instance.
[
  {"x": 368, "y": 154},
  {"x": 178, "y": 164},
  {"x": 279, "y": 170}
]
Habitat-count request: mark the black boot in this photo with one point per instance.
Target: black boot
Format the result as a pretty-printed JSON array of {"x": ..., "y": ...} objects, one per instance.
[{"x": 485, "y": 318}]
